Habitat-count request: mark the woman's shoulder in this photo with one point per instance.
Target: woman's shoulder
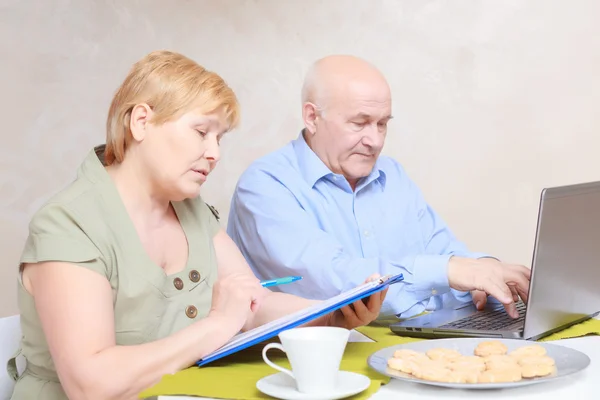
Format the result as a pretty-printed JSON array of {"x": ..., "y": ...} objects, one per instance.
[
  {"x": 67, "y": 207},
  {"x": 73, "y": 224},
  {"x": 203, "y": 214},
  {"x": 66, "y": 228}
]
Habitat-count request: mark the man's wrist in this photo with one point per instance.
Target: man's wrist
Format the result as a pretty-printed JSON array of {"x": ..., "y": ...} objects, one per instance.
[{"x": 456, "y": 271}]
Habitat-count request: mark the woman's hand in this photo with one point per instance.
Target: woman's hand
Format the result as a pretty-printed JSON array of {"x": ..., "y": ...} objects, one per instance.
[
  {"x": 236, "y": 297},
  {"x": 361, "y": 312}
]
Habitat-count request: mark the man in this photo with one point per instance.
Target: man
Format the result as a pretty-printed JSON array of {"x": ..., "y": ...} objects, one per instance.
[{"x": 329, "y": 208}]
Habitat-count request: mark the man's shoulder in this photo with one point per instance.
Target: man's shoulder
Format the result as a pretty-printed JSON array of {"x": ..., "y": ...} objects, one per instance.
[
  {"x": 278, "y": 163},
  {"x": 391, "y": 166}
]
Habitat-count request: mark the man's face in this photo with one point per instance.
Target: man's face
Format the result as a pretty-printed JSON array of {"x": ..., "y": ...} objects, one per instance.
[{"x": 350, "y": 131}]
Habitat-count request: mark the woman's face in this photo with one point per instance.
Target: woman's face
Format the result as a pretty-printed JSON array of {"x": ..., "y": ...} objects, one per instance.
[{"x": 179, "y": 155}]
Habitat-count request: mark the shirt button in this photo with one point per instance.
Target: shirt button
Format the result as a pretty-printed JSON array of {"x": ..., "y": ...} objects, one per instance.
[
  {"x": 194, "y": 276},
  {"x": 434, "y": 292},
  {"x": 178, "y": 283},
  {"x": 366, "y": 233},
  {"x": 191, "y": 311}
]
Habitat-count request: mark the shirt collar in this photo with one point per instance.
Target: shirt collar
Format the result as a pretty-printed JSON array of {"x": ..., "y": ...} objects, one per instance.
[
  {"x": 313, "y": 169},
  {"x": 311, "y": 166},
  {"x": 377, "y": 174},
  {"x": 92, "y": 167}
]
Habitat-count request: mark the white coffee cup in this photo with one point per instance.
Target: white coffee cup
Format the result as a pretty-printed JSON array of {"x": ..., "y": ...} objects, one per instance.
[{"x": 315, "y": 354}]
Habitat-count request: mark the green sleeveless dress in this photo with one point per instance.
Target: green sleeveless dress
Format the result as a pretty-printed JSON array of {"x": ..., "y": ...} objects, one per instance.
[{"x": 87, "y": 224}]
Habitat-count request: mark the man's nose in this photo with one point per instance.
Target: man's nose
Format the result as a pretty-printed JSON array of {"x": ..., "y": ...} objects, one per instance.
[{"x": 374, "y": 137}]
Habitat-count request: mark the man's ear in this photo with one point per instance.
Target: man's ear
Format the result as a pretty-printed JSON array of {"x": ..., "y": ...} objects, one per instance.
[
  {"x": 140, "y": 117},
  {"x": 310, "y": 113}
]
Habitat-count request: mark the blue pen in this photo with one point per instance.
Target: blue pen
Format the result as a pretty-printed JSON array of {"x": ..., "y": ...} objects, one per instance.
[{"x": 280, "y": 281}]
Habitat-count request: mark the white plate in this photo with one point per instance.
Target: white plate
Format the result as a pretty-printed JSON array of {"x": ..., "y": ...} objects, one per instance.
[
  {"x": 568, "y": 361},
  {"x": 282, "y": 386}
]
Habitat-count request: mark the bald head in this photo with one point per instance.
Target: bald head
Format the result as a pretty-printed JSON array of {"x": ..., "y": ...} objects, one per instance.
[
  {"x": 346, "y": 107},
  {"x": 335, "y": 76}
]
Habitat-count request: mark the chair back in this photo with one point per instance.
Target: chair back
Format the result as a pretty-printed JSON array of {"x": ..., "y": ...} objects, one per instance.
[{"x": 10, "y": 335}]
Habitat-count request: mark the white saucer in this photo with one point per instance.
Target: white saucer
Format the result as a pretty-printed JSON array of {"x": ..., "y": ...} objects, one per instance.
[{"x": 282, "y": 386}]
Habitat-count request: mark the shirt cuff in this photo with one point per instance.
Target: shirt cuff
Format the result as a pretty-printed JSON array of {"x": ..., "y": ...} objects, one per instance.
[
  {"x": 482, "y": 255},
  {"x": 431, "y": 274},
  {"x": 462, "y": 296}
]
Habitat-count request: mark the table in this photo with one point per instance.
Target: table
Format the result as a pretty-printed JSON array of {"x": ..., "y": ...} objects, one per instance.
[{"x": 582, "y": 385}]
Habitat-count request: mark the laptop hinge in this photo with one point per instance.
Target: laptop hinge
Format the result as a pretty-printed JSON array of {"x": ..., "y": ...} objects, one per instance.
[{"x": 466, "y": 333}]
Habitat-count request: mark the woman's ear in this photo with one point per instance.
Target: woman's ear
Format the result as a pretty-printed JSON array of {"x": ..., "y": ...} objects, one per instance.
[{"x": 140, "y": 117}]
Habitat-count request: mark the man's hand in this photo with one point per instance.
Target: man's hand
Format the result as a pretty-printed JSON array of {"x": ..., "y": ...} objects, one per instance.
[
  {"x": 487, "y": 276},
  {"x": 361, "y": 312}
]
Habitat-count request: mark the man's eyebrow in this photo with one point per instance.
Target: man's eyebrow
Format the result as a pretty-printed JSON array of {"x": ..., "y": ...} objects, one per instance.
[
  {"x": 367, "y": 116},
  {"x": 361, "y": 116}
]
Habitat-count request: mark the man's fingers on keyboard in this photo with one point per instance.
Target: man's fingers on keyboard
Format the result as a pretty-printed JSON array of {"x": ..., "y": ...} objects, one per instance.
[
  {"x": 524, "y": 295},
  {"x": 511, "y": 310},
  {"x": 501, "y": 292},
  {"x": 514, "y": 292},
  {"x": 525, "y": 271},
  {"x": 518, "y": 278},
  {"x": 479, "y": 299}
]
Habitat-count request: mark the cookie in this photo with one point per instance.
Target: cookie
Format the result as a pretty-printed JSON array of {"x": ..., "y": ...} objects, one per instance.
[
  {"x": 470, "y": 359},
  {"x": 526, "y": 351},
  {"x": 402, "y": 364},
  {"x": 490, "y": 364},
  {"x": 492, "y": 347},
  {"x": 501, "y": 375},
  {"x": 464, "y": 376},
  {"x": 537, "y": 370},
  {"x": 408, "y": 354},
  {"x": 467, "y": 363},
  {"x": 429, "y": 372},
  {"x": 536, "y": 366},
  {"x": 536, "y": 360},
  {"x": 500, "y": 361},
  {"x": 443, "y": 354}
]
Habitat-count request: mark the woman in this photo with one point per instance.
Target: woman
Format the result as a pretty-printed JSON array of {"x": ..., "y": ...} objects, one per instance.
[{"x": 126, "y": 275}]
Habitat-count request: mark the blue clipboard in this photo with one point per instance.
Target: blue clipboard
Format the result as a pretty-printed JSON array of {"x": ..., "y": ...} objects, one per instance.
[{"x": 269, "y": 333}]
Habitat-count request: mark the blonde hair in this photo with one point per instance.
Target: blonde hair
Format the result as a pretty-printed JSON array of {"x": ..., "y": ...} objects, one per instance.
[{"x": 171, "y": 84}]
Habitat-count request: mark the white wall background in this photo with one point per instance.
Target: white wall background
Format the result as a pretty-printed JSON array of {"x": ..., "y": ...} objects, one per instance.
[{"x": 494, "y": 100}]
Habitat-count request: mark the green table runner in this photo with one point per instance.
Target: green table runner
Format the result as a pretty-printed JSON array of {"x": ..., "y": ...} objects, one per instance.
[{"x": 235, "y": 376}]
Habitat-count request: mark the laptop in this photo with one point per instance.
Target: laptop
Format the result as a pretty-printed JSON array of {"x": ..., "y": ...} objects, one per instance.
[{"x": 565, "y": 277}]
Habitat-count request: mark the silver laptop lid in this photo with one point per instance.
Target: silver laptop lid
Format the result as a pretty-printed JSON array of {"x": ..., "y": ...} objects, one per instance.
[{"x": 565, "y": 281}]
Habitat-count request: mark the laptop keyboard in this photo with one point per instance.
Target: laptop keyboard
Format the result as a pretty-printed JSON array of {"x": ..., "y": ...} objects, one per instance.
[{"x": 489, "y": 320}]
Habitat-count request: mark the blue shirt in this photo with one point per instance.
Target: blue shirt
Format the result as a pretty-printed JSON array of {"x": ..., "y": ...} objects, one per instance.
[{"x": 290, "y": 215}]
